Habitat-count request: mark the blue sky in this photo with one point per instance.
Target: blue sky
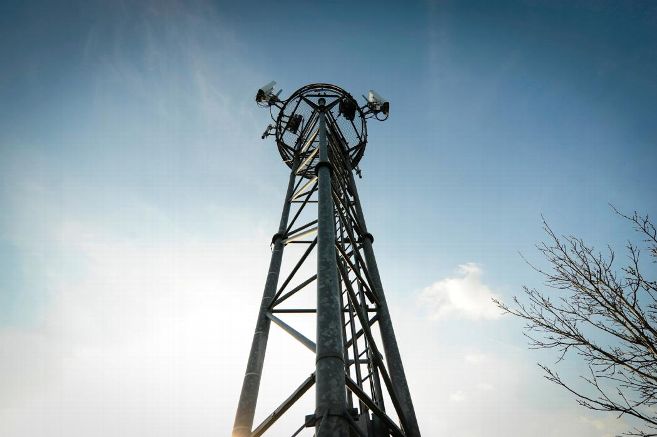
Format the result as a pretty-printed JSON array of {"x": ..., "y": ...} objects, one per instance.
[{"x": 131, "y": 169}]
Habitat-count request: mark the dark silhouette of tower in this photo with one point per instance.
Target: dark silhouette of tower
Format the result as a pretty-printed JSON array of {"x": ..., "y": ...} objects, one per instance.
[{"x": 321, "y": 134}]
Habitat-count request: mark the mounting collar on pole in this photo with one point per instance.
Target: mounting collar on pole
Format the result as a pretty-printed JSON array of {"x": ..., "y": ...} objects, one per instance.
[{"x": 275, "y": 237}]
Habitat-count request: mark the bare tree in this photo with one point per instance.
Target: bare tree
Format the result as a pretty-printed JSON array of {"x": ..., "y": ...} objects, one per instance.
[{"x": 604, "y": 316}]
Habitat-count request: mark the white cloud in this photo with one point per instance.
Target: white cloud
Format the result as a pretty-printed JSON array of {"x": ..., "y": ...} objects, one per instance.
[
  {"x": 461, "y": 296},
  {"x": 606, "y": 426},
  {"x": 485, "y": 386},
  {"x": 457, "y": 396},
  {"x": 474, "y": 358}
]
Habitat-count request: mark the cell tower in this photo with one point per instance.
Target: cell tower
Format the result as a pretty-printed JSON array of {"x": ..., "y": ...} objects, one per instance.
[{"x": 321, "y": 134}]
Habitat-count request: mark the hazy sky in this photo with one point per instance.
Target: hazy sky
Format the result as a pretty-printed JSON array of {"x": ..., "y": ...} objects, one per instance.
[{"x": 137, "y": 200}]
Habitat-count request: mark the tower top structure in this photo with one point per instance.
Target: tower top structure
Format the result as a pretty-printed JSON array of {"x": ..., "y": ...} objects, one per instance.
[{"x": 296, "y": 123}]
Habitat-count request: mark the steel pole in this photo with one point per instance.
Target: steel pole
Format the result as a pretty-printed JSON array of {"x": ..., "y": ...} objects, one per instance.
[
  {"x": 249, "y": 395},
  {"x": 330, "y": 406},
  {"x": 393, "y": 357}
]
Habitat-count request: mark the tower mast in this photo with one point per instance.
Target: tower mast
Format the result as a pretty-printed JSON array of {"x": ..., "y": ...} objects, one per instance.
[{"x": 321, "y": 134}]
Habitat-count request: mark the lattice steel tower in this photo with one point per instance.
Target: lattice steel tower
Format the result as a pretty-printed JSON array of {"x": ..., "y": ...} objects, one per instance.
[{"x": 321, "y": 135}]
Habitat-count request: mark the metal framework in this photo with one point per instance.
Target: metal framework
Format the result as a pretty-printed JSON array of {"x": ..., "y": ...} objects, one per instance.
[{"x": 321, "y": 134}]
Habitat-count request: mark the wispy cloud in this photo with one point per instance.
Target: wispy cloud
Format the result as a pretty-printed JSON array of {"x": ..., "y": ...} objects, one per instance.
[{"x": 461, "y": 296}]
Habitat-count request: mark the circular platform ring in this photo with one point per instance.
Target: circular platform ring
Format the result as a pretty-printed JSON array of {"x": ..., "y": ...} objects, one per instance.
[{"x": 297, "y": 122}]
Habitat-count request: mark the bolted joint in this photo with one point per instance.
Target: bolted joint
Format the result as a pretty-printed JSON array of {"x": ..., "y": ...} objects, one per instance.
[
  {"x": 369, "y": 237},
  {"x": 321, "y": 164},
  {"x": 312, "y": 420},
  {"x": 319, "y": 357}
]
